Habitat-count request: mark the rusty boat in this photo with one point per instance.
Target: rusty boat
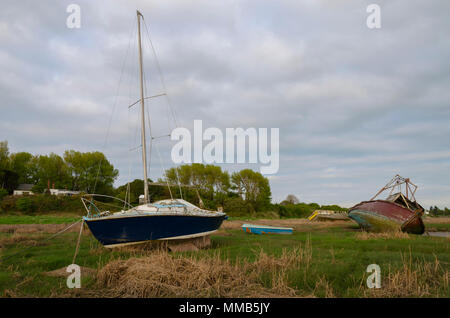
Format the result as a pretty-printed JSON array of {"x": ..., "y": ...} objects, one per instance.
[{"x": 399, "y": 211}]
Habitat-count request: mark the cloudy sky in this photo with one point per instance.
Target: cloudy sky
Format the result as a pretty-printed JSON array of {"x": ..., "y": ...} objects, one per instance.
[{"x": 354, "y": 105}]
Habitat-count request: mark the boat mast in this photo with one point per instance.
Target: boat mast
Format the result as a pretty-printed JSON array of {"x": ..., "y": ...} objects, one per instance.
[{"x": 144, "y": 147}]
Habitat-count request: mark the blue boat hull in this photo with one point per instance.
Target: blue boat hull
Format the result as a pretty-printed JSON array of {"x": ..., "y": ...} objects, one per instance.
[{"x": 137, "y": 229}]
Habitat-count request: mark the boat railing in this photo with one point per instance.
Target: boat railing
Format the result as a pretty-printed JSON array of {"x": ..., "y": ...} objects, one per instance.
[{"x": 94, "y": 211}]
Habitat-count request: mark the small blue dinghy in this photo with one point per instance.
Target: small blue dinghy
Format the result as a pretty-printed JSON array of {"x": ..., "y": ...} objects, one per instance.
[{"x": 265, "y": 229}]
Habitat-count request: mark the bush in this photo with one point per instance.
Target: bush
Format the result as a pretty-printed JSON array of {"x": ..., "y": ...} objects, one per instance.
[
  {"x": 41, "y": 203},
  {"x": 300, "y": 210},
  {"x": 24, "y": 204},
  {"x": 235, "y": 206},
  {"x": 3, "y": 193},
  {"x": 333, "y": 207}
]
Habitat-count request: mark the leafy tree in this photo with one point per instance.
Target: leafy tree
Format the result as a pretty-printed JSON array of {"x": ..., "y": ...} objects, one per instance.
[
  {"x": 3, "y": 193},
  {"x": 21, "y": 163},
  {"x": 8, "y": 178},
  {"x": 210, "y": 180},
  {"x": 136, "y": 188},
  {"x": 90, "y": 171},
  {"x": 4, "y": 155},
  {"x": 49, "y": 169},
  {"x": 290, "y": 199},
  {"x": 253, "y": 187}
]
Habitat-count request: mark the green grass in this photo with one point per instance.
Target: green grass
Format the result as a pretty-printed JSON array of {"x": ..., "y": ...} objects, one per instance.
[
  {"x": 339, "y": 258},
  {"x": 38, "y": 219}
]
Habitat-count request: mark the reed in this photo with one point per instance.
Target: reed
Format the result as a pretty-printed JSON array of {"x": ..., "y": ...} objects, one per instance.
[
  {"x": 416, "y": 278},
  {"x": 383, "y": 235}
]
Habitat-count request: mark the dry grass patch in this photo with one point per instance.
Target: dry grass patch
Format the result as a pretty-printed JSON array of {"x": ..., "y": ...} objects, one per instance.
[
  {"x": 161, "y": 274},
  {"x": 384, "y": 235},
  {"x": 436, "y": 220},
  {"x": 40, "y": 228},
  {"x": 21, "y": 239},
  {"x": 414, "y": 279}
]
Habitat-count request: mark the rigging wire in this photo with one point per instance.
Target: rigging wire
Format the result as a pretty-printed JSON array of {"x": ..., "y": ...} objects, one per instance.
[
  {"x": 158, "y": 66},
  {"x": 113, "y": 110},
  {"x": 164, "y": 169},
  {"x": 170, "y": 108}
]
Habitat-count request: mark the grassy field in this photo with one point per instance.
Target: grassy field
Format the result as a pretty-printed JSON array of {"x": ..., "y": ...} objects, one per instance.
[
  {"x": 39, "y": 219},
  {"x": 321, "y": 259}
]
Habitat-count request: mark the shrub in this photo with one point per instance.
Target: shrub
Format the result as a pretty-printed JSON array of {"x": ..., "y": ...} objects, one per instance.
[
  {"x": 235, "y": 206},
  {"x": 8, "y": 203},
  {"x": 24, "y": 204},
  {"x": 3, "y": 193},
  {"x": 42, "y": 203},
  {"x": 300, "y": 210}
]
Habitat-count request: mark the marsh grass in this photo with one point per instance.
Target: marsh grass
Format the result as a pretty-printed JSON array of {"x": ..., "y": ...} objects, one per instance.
[
  {"x": 22, "y": 240},
  {"x": 416, "y": 278},
  {"x": 384, "y": 235}
]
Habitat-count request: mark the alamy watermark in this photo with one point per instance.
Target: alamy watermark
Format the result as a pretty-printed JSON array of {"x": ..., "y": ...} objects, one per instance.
[
  {"x": 221, "y": 147},
  {"x": 374, "y": 279},
  {"x": 373, "y": 21},
  {"x": 73, "y": 21},
  {"x": 74, "y": 279}
]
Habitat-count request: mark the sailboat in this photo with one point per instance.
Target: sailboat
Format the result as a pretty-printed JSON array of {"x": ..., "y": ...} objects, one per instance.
[{"x": 169, "y": 219}]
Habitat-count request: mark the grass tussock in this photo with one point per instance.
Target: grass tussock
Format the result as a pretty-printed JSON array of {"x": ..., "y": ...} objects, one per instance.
[
  {"x": 382, "y": 235},
  {"x": 323, "y": 288},
  {"x": 413, "y": 279},
  {"x": 161, "y": 274},
  {"x": 21, "y": 239},
  {"x": 289, "y": 259}
]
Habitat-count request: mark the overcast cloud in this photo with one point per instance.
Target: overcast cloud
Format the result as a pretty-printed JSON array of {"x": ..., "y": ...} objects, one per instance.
[{"x": 354, "y": 105}]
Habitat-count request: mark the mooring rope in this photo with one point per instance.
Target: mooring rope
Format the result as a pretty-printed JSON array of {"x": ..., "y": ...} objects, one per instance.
[{"x": 78, "y": 242}]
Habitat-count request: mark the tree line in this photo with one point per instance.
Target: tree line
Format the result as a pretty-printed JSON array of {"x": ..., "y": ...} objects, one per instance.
[
  {"x": 77, "y": 171},
  {"x": 435, "y": 211},
  {"x": 239, "y": 193},
  {"x": 245, "y": 191}
]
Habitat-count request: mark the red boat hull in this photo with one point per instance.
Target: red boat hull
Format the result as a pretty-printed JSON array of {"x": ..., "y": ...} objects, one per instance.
[{"x": 381, "y": 215}]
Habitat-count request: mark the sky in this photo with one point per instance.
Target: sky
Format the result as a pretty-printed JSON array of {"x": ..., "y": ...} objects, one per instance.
[{"x": 354, "y": 106}]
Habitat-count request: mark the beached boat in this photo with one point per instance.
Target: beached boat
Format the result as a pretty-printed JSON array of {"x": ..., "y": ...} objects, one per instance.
[
  {"x": 265, "y": 229},
  {"x": 162, "y": 220},
  {"x": 397, "y": 212},
  {"x": 328, "y": 215}
]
